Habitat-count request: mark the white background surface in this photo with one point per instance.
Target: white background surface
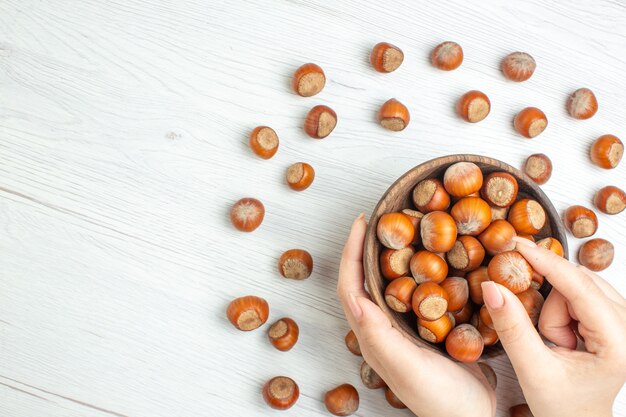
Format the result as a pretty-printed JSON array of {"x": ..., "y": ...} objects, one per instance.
[{"x": 123, "y": 143}]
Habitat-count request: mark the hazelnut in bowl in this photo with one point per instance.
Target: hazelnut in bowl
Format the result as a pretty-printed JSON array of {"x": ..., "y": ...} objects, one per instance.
[{"x": 442, "y": 229}]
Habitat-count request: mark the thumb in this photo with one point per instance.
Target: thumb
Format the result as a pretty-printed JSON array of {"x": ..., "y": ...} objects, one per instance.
[{"x": 515, "y": 330}]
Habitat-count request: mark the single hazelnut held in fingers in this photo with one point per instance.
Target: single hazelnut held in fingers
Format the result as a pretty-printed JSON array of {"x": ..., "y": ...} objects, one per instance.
[
  {"x": 607, "y": 151},
  {"x": 263, "y": 141},
  {"x": 247, "y": 214},
  {"x": 596, "y": 254},
  {"x": 370, "y": 378},
  {"x": 464, "y": 343},
  {"x": 284, "y": 334},
  {"x": 395, "y": 230},
  {"x": 416, "y": 219},
  {"x": 458, "y": 292},
  {"x": 430, "y": 301},
  {"x": 386, "y": 57},
  {"x": 538, "y": 167},
  {"x": 466, "y": 255},
  {"x": 426, "y": 266},
  {"x": 582, "y": 104},
  {"x": 473, "y": 106},
  {"x": 530, "y": 122},
  {"x": 518, "y": 66},
  {"x": 395, "y": 263},
  {"x": 281, "y": 392},
  {"x": 489, "y": 335},
  {"x": 510, "y": 270},
  {"x": 393, "y": 400},
  {"x": 485, "y": 318},
  {"x": 474, "y": 279},
  {"x": 498, "y": 237},
  {"x": 489, "y": 373},
  {"x": 394, "y": 115},
  {"x": 465, "y": 314},
  {"x": 472, "y": 215},
  {"x": 430, "y": 195},
  {"x": 295, "y": 264},
  {"x": 527, "y": 216},
  {"x": 247, "y": 313},
  {"x": 520, "y": 410},
  {"x": 551, "y": 244},
  {"x": 308, "y": 80},
  {"x": 399, "y": 294},
  {"x": 300, "y": 176},
  {"x": 342, "y": 400},
  {"x": 581, "y": 221},
  {"x": 532, "y": 300},
  {"x": 447, "y": 56},
  {"x": 438, "y": 230},
  {"x": 352, "y": 343},
  {"x": 610, "y": 200},
  {"x": 499, "y": 213},
  {"x": 462, "y": 179},
  {"x": 435, "y": 331},
  {"x": 499, "y": 189},
  {"x": 320, "y": 122}
]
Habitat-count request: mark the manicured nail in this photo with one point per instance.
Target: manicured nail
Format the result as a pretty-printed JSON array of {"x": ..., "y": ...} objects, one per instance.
[
  {"x": 360, "y": 217},
  {"x": 491, "y": 295},
  {"x": 524, "y": 242},
  {"x": 354, "y": 307}
]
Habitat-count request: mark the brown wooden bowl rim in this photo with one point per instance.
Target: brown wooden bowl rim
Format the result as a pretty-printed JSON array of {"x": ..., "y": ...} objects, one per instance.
[{"x": 372, "y": 247}]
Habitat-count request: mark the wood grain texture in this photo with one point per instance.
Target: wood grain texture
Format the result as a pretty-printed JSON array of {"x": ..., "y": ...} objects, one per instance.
[
  {"x": 399, "y": 197},
  {"x": 123, "y": 143}
]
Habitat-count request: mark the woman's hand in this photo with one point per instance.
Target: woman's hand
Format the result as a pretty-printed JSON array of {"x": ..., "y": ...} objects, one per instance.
[
  {"x": 417, "y": 376},
  {"x": 562, "y": 381}
]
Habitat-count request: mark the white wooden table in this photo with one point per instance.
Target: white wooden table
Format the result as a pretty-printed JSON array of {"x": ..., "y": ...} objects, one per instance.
[{"x": 123, "y": 143}]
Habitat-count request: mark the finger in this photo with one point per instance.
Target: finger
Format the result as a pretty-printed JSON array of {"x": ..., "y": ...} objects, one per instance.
[
  {"x": 515, "y": 330},
  {"x": 607, "y": 288},
  {"x": 580, "y": 290},
  {"x": 555, "y": 320},
  {"x": 404, "y": 366},
  {"x": 351, "y": 267}
]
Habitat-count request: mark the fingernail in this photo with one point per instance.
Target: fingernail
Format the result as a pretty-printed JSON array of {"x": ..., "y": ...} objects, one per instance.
[
  {"x": 524, "y": 242},
  {"x": 360, "y": 217},
  {"x": 355, "y": 309},
  {"x": 491, "y": 295}
]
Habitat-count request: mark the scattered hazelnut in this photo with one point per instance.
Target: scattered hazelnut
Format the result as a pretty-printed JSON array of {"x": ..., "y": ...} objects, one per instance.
[
  {"x": 607, "y": 151},
  {"x": 308, "y": 80},
  {"x": 284, "y": 334},
  {"x": 281, "y": 392},
  {"x": 582, "y": 104},
  {"x": 610, "y": 200},
  {"x": 342, "y": 400},
  {"x": 518, "y": 66},
  {"x": 447, "y": 56},
  {"x": 386, "y": 57},
  {"x": 264, "y": 141},
  {"x": 247, "y": 214},
  {"x": 352, "y": 343},
  {"x": 473, "y": 106},
  {"x": 596, "y": 254},
  {"x": 370, "y": 378},
  {"x": 247, "y": 313},
  {"x": 581, "y": 221},
  {"x": 295, "y": 264},
  {"x": 539, "y": 168},
  {"x": 530, "y": 122},
  {"x": 300, "y": 176},
  {"x": 320, "y": 122},
  {"x": 394, "y": 115}
]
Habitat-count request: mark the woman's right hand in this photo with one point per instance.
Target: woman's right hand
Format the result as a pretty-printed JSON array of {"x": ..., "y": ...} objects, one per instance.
[{"x": 562, "y": 381}]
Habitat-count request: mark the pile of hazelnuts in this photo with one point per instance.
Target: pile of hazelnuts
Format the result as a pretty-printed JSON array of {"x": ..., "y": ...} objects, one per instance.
[
  {"x": 446, "y": 252},
  {"x": 459, "y": 235}
]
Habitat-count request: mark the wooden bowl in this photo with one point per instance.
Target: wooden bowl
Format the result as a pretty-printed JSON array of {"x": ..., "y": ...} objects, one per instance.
[{"x": 399, "y": 196}]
